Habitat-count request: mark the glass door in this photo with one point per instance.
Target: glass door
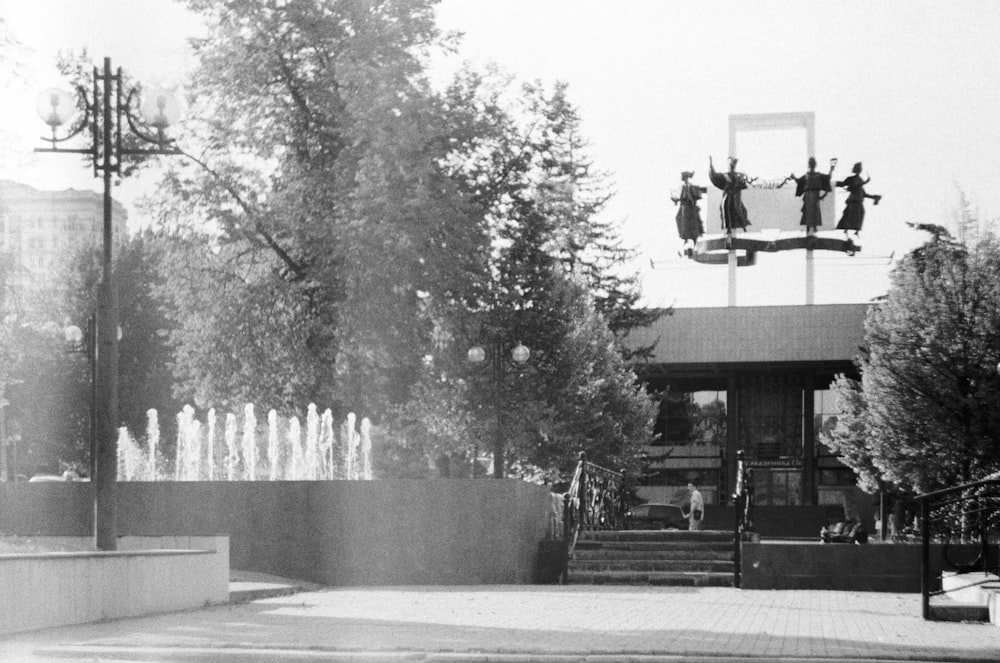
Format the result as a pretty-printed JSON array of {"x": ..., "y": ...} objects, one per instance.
[{"x": 777, "y": 486}]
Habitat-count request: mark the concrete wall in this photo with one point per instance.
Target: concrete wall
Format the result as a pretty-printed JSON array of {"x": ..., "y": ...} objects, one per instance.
[
  {"x": 145, "y": 576},
  {"x": 334, "y": 532},
  {"x": 876, "y": 567}
]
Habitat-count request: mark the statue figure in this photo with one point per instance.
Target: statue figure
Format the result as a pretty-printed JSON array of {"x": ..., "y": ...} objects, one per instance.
[
  {"x": 813, "y": 187},
  {"x": 854, "y": 210},
  {"x": 732, "y": 183},
  {"x": 689, "y": 225}
]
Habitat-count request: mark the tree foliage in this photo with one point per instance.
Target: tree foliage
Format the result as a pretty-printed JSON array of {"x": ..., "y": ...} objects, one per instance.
[
  {"x": 924, "y": 414},
  {"x": 348, "y": 232},
  {"x": 145, "y": 377},
  {"x": 330, "y": 216},
  {"x": 549, "y": 283},
  {"x": 43, "y": 390}
]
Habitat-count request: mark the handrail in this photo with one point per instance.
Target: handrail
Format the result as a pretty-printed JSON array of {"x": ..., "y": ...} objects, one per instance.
[
  {"x": 962, "y": 520},
  {"x": 743, "y": 525},
  {"x": 596, "y": 500}
]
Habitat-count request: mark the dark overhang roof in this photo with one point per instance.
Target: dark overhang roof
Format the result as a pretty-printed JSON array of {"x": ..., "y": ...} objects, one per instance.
[{"x": 813, "y": 334}]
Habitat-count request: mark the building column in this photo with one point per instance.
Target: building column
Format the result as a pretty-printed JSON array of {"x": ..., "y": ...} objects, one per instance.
[
  {"x": 732, "y": 435},
  {"x": 808, "y": 439}
]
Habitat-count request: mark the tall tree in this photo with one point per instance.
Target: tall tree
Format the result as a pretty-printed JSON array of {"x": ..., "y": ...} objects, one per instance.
[
  {"x": 365, "y": 231},
  {"x": 924, "y": 414},
  {"x": 550, "y": 283},
  {"x": 330, "y": 215}
]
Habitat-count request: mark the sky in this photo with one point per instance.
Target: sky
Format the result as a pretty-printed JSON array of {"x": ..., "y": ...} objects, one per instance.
[{"x": 908, "y": 87}]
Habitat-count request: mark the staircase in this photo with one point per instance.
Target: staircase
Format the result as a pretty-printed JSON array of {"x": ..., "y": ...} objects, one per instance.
[{"x": 642, "y": 557}]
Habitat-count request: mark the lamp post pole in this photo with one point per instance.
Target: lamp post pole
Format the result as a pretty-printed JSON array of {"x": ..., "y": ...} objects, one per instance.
[
  {"x": 498, "y": 381},
  {"x": 105, "y": 110},
  {"x": 106, "y": 384}
]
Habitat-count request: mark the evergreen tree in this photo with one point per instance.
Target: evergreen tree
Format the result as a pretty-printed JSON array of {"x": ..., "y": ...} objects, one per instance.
[{"x": 550, "y": 284}]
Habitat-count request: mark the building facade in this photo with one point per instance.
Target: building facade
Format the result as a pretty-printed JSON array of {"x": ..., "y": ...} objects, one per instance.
[
  {"x": 40, "y": 229},
  {"x": 755, "y": 379}
]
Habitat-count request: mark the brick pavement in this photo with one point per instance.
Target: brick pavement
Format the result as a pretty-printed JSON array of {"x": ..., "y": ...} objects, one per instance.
[{"x": 530, "y": 623}]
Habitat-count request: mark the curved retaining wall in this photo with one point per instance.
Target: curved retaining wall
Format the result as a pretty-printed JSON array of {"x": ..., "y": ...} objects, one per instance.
[{"x": 404, "y": 532}]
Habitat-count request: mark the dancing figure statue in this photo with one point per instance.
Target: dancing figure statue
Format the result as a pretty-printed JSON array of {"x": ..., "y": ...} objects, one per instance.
[
  {"x": 689, "y": 224},
  {"x": 812, "y": 188},
  {"x": 732, "y": 183},
  {"x": 854, "y": 211}
]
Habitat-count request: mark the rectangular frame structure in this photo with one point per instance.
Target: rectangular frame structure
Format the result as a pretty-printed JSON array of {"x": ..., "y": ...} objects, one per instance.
[{"x": 771, "y": 208}]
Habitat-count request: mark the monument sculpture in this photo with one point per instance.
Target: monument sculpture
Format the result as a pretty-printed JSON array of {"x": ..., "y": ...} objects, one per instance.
[
  {"x": 854, "y": 210},
  {"x": 689, "y": 224},
  {"x": 812, "y": 188},
  {"x": 732, "y": 183},
  {"x": 778, "y": 213}
]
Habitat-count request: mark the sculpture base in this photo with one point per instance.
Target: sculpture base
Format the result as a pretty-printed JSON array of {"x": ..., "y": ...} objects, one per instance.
[{"x": 715, "y": 250}]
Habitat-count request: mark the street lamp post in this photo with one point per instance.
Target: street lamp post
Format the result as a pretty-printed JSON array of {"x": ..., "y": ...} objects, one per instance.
[
  {"x": 519, "y": 355},
  {"x": 109, "y": 113}
]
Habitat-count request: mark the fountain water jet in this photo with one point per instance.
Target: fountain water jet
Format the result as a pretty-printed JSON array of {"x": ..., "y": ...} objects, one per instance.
[{"x": 320, "y": 456}]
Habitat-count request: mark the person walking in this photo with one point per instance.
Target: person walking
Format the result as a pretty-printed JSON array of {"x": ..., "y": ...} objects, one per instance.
[{"x": 697, "y": 508}]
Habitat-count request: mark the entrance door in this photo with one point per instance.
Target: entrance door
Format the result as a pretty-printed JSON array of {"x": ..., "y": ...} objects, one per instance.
[{"x": 777, "y": 486}]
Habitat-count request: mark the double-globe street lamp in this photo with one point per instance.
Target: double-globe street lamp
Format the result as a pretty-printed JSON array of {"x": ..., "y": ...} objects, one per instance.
[
  {"x": 499, "y": 362},
  {"x": 118, "y": 129}
]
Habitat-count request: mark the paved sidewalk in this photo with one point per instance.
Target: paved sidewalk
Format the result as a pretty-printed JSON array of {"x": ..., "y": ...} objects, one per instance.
[{"x": 528, "y": 623}]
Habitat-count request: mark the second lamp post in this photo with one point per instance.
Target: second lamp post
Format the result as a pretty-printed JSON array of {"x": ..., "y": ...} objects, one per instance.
[{"x": 519, "y": 355}]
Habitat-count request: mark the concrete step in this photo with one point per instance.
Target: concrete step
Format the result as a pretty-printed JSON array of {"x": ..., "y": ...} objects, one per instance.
[
  {"x": 653, "y": 546},
  {"x": 671, "y": 578},
  {"x": 953, "y": 611},
  {"x": 672, "y": 536},
  {"x": 243, "y": 592},
  {"x": 247, "y": 586},
  {"x": 693, "y": 566},
  {"x": 654, "y": 554},
  {"x": 653, "y": 557}
]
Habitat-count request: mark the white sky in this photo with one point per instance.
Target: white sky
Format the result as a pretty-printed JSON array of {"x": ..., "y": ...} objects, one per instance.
[{"x": 909, "y": 87}]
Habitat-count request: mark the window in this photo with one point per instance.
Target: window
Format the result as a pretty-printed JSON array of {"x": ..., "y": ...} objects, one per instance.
[
  {"x": 771, "y": 414},
  {"x": 837, "y": 476},
  {"x": 692, "y": 417},
  {"x": 826, "y": 415}
]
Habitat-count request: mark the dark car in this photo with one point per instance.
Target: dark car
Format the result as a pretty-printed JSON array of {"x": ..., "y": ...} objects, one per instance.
[{"x": 655, "y": 516}]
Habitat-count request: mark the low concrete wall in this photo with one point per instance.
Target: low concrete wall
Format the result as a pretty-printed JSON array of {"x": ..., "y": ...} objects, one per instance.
[
  {"x": 771, "y": 522},
  {"x": 875, "y": 567},
  {"x": 406, "y": 532},
  {"x": 146, "y": 575}
]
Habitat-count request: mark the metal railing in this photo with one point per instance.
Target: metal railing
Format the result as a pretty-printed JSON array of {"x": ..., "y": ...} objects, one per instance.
[
  {"x": 743, "y": 524},
  {"x": 963, "y": 523},
  {"x": 596, "y": 500}
]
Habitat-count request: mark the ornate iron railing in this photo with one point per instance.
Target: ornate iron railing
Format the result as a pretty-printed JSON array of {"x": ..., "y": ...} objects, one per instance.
[
  {"x": 743, "y": 526},
  {"x": 963, "y": 525},
  {"x": 596, "y": 500}
]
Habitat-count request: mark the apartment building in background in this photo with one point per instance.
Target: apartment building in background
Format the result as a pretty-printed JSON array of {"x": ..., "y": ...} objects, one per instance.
[{"x": 39, "y": 230}]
